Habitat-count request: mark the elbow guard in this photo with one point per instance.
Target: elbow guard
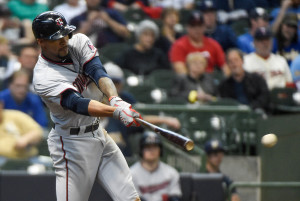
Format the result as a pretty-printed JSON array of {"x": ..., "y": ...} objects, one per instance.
[
  {"x": 74, "y": 101},
  {"x": 95, "y": 70}
]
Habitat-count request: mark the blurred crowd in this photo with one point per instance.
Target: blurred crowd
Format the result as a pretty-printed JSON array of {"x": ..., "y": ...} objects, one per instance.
[{"x": 203, "y": 51}]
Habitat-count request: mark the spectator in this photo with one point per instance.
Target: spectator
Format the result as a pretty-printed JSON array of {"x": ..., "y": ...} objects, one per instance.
[
  {"x": 18, "y": 97},
  {"x": 258, "y": 18},
  {"x": 287, "y": 6},
  {"x": 19, "y": 134},
  {"x": 247, "y": 88},
  {"x": 287, "y": 42},
  {"x": 8, "y": 62},
  {"x": 178, "y": 5},
  {"x": 153, "y": 179},
  {"x": 26, "y": 9},
  {"x": 13, "y": 30},
  {"x": 169, "y": 34},
  {"x": 76, "y": 6},
  {"x": 27, "y": 60},
  {"x": 117, "y": 130},
  {"x": 102, "y": 25},
  {"x": 215, "y": 153},
  {"x": 195, "y": 41},
  {"x": 295, "y": 70},
  {"x": 223, "y": 34},
  {"x": 143, "y": 57},
  {"x": 272, "y": 67},
  {"x": 197, "y": 80}
]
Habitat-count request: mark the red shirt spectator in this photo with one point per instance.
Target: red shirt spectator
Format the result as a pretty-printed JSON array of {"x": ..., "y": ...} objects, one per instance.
[
  {"x": 196, "y": 41},
  {"x": 210, "y": 49}
]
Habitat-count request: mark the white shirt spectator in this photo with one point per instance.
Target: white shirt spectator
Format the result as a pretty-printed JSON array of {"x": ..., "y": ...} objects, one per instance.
[
  {"x": 274, "y": 69},
  {"x": 176, "y": 4},
  {"x": 69, "y": 11}
]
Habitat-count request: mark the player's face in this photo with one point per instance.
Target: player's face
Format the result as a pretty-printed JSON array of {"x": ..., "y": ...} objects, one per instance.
[
  {"x": 215, "y": 159},
  {"x": 147, "y": 39},
  {"x": 151, "y": 153},
  {"x": 19, "y": 87},
  {"x": 235, "y": 63},
  {"x": 55, "y": 49}
]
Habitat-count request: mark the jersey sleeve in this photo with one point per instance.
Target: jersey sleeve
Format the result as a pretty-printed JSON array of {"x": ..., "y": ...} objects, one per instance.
[
  {"x": 83, "y": 48},
  {"x": 54, "y": 82},
  {"x": 175, "y": 189}
]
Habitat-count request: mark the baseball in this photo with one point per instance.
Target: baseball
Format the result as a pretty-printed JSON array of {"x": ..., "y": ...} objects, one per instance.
[{"x": 269, "y": 140}]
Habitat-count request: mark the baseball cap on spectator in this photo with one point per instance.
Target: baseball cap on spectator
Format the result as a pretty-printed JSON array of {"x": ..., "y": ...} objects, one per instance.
[
  {"x": 213, "y": 146},
  {"x": 259, "y": 12},
  {"x": 262, "y": 33},
  {"x": 195, "y": 18},
  {"x": 114, "y": 72},
  {"x": 290, "y": 19},
  {"x": 207, "y": 5}
]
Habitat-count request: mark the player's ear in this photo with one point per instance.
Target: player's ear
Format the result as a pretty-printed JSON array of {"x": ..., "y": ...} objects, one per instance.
[{"x": 39, "y": 41}]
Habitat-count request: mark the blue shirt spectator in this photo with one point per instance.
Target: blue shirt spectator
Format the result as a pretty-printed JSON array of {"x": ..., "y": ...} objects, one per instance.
[
  {"x": 223, "y": 34},
  {"x": 18, "y": 97},
  {"x": 31, "y": 105},
  {"x": 295, "y": 70},
  {"x": 258, "y": 18}
]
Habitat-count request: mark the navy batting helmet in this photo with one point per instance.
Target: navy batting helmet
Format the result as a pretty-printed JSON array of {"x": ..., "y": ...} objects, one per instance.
[
  {"x": 51, "y": 25},
  {"x": 150, "y": 138}
]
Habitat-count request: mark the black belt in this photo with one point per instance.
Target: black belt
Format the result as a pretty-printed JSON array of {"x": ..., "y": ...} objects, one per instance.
[{"x": 90, "y": 128}]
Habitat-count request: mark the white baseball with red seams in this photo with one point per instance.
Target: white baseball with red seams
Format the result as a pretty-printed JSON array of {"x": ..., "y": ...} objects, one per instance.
[{"x": 269, "y": 140}]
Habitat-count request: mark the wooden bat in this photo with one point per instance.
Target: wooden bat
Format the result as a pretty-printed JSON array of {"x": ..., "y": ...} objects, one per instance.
[{"x": 176, "y": 138}]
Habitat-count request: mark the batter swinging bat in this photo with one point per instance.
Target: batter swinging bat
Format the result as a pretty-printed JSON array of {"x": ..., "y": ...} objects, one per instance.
[{"x": 176, "y": 138}]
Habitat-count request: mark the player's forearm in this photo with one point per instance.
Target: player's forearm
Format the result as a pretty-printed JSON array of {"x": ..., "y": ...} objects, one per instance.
[
  {"x": 107, "y": 87},
  {"x": 98, "y": 109}
]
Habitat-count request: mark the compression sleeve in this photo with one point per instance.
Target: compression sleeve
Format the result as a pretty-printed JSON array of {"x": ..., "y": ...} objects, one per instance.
[
  {"x": 74, "y": 101},
  {"x": 95, "y": 70}
]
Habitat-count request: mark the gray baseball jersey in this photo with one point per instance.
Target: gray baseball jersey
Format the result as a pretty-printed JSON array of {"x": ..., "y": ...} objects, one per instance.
[
  {"x": 87, "y": 156},
  {"x": 153, "y": 185}
]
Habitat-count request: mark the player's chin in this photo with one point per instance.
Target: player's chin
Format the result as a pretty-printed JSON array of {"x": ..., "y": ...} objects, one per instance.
[{"x": 63, "y": 53}]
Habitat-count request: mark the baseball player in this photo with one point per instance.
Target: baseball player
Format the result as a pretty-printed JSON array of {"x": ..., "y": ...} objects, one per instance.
[
  {"x": 72, "y": 82},
  {"x": 153, "y": 179}
]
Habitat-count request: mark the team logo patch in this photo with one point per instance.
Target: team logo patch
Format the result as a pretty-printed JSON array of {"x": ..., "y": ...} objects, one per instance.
[
  {"x": 91, "y": 46},
  {"x": 59, "y": 22}
]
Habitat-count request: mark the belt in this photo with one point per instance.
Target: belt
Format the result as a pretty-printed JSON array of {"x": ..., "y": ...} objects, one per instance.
[{"x": 90, "y": 128}]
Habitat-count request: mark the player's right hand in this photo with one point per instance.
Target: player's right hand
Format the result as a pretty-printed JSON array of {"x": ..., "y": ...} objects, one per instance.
[
  {"x": 116, "y": 101},
  {"x": 127, "y": 116}
]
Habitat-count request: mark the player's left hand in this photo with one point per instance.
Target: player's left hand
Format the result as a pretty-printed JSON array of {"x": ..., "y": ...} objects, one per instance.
[
  {"x": 116, "y": 101},
  {"x": 127, "y": 116}
]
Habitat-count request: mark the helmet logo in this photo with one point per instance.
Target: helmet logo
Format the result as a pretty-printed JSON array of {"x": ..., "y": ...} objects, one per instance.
[{"x": 59, "y": 22}]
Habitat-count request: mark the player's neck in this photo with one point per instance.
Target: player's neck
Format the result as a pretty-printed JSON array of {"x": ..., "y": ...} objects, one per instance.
[{"x": 150, "y": 166}]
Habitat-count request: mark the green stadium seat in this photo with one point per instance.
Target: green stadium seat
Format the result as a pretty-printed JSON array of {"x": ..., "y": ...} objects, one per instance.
[{"x": 113, "y": 50}]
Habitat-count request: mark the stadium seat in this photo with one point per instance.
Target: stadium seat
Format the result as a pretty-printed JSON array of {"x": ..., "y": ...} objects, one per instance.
[
  {"x": 240, "y": 26},
  {"x": 161, "y": 79},
  {"x": 113, "y": 50}
]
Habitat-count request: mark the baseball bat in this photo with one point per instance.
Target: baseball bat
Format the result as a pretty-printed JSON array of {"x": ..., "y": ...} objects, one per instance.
[{"x": 176, "y": 138}]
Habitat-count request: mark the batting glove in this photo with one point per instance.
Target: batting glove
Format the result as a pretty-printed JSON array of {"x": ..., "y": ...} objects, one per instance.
[
  {"x": 116, "y": 101},
  {"x": 127, "y": 116}
]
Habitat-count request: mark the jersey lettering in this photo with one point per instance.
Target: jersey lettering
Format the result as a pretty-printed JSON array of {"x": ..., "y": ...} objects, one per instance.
[
  {"x": 153, "y": 188},
  {"x": 81, "y": 82}
]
